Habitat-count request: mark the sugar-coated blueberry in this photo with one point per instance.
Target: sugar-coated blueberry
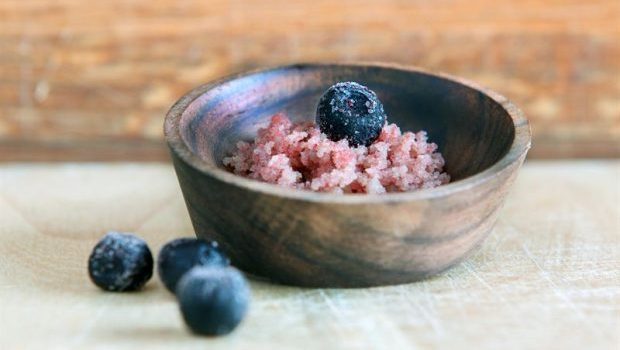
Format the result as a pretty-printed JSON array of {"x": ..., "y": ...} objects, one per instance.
[
  {"x": 350, "y": 111},
  {"x": 213, "y": 300},
  {"x": 120, "y": 262},
  {"x": 180, "y": 255}
]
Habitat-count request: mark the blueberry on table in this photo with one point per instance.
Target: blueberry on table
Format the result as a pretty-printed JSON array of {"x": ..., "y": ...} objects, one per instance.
[
  {"x": 350, "y": 111},
  {"x": 180, "y": 255},
  {"x": 120, "y": 262},
  {"x": 213, "y": 300}
]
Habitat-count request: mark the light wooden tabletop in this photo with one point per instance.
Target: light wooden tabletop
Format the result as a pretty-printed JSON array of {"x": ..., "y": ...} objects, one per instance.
[{"x": 547, "y": 278}]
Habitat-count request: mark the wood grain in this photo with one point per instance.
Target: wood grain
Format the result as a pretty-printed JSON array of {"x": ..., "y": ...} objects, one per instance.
[
  {"x": 552, "y": 260},
  {"x": 77, "y": 76},
  {"x": 314, "y": 239}
]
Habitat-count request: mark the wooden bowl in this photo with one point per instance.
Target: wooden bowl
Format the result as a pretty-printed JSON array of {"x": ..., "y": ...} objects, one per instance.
[{"x": 328, "y": 240}]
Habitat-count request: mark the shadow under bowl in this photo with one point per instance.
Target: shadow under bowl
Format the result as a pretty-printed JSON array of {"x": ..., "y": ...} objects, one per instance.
[{"x": 328, "y": 240}]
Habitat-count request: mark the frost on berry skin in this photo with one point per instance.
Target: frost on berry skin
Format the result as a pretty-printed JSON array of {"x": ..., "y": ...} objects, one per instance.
[
  {"x": 180, "y": 255},
  {"x": 120, "y": 262},
  {"x": 352, "y": 112},
  {"x": 213, "y": 300}
]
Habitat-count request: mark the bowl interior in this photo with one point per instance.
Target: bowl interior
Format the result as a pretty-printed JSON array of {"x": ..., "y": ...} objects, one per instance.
[{"x": 472, "y": 130}]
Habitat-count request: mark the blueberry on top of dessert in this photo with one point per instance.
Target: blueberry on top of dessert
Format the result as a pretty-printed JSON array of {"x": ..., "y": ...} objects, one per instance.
[
  {"x": 350, "y": 111},
  {"x": 350, "y": 149}
]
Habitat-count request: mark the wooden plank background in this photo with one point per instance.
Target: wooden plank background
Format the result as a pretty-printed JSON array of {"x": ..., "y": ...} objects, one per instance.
[{"x": 91, "y": 80}]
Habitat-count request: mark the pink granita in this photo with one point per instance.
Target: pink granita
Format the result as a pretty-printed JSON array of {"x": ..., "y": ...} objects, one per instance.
[{"x": 300, "y": 156}]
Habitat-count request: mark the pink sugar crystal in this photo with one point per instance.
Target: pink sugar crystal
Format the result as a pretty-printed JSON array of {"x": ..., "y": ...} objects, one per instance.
[{"x": 300, "y": 156}]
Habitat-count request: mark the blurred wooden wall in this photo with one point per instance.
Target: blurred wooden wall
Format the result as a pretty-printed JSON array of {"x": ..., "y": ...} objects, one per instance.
[{"x": 91, "y": 80}]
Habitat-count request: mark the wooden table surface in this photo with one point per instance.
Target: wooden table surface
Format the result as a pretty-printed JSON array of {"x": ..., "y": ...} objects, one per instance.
[{"x": 547, "y": 278}]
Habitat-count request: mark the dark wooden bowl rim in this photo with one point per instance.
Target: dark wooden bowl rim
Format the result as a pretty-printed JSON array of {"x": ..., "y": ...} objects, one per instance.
[{"x": 520, "y": 145}]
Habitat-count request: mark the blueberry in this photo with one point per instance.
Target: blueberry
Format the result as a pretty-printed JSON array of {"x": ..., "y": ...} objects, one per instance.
[
  {"x": 120, "y": 262},
  {"x": 350, "y": 111},
  {"x": 213, "y": 300},
  {"x": 180, "y": 255}
]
